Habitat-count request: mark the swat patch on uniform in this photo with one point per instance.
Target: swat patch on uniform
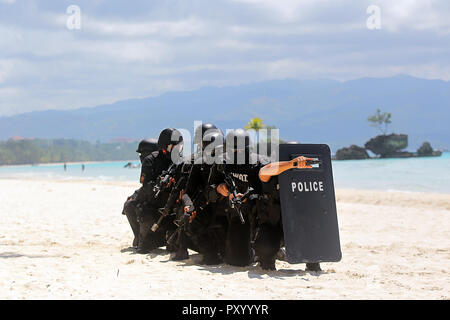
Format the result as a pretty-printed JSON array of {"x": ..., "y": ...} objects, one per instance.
[
  {"x": 308, "y": 206},
  {"x": 240, "y": 176}
]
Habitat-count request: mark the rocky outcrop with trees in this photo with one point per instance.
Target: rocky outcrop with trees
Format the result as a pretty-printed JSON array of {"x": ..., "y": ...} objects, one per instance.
[
  {"x": 352, "y": 153},
  {"x": 389, "y": 146},
  {"x": 384, "y": 145}
]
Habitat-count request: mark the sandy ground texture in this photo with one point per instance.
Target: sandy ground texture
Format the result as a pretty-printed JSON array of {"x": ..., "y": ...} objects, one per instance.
[{"x": 68, "y": 240}]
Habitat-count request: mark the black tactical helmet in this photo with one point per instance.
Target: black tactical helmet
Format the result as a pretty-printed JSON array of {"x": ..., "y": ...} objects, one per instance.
[
  {"x": 211, "y": 137},
  {"x": 147, "y": 146},
  {"x": 200, "y": 131},
  {"x": 239, "y": 139},
  {"x": 213, "y": 146},
  {"x": 169, "y": 136}
]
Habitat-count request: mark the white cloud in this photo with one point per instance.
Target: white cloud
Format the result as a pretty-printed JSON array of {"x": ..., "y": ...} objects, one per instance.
[
  {"x": 186, "y": 27},
  {"x": 6, "y": 68},
  {"x": 289, "y": 10},
  {"x": 11, "y": 98},
  {"x": 126, "y": 51},
  {"x": 117, "y": 56},
  {"x": 432, "y": 15},
  {"x": 9, "y": 92},
  {"x": 42, "y": 43},
  {"x": 240, "y": 45},
  {"x": 414, "y": 15},
  {"x": 183, "y": 28},
  {"x": 306, "y": 29}
]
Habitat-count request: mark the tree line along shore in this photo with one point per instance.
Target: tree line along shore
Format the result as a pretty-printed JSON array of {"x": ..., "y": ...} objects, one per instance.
[{"x": 37, "y": 151}]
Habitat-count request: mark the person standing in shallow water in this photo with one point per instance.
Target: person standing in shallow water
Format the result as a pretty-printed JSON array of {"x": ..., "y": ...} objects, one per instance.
[
  {"x": 82, "y": 167},
  {"x": 65, "y": 166}
]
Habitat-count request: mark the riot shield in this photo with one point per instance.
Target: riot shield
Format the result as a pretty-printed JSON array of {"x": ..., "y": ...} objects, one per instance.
[{"x": 308, "y": 206}]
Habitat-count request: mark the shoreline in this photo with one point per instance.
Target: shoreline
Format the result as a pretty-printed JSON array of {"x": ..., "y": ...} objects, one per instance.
[
  {"x": 47, "y": 164},
  {"x": 82, "y": 180},
  {"x": 445, "y": 154},
  {"x": 390, "y": 158}
]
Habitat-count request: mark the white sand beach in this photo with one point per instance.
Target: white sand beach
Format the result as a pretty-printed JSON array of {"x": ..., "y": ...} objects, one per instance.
[{"x": 69, "y": 240}]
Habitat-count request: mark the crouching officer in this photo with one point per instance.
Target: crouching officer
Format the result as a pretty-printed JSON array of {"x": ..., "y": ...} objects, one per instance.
[
  {"x": 145, "y": 148},
  {"x": 269, "y": 229},
  {"x": 241, "y": 189},
  {"x": 205, "y": 228},
  {"x": 170, "y": 143}
]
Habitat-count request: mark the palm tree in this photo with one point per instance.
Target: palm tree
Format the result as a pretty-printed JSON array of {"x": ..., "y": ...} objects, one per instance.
[{"x": 255, "y": 124}]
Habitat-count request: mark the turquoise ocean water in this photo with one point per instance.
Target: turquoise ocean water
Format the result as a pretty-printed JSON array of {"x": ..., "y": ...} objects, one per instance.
[{"x": 410, "y": 175}]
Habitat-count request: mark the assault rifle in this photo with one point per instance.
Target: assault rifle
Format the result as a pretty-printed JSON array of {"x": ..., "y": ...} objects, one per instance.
[
  {"x": 165, "y": 180},
  {"x": 235, "y": 202},
  {"x": 175, "y": 194},
  {"x": 199, "y": 201}
]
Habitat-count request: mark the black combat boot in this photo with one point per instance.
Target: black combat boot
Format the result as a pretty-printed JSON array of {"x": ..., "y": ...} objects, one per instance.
[
  {"x": 149, "y": 240},
  {"x": 313, "y": 267},
  {"x": 267, "y": 264},
  {"x": 181, "y": 254},
  {"x": 211, "y": 259}
]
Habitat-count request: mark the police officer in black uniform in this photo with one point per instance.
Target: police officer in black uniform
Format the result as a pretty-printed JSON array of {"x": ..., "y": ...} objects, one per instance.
[
  {"x": 169, "y": 149},
  {"x": 269, "y": 228},
  {"x": 145, "y": 147},
  {"x": 241, "y": 171},
  {"x": 175, "y": 203},
  {"x": 205, "y": 228}
]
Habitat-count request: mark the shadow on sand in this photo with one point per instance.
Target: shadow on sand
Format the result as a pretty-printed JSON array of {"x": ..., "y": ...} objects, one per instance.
[
  {"x": 8, "y": 255},
  {"x": 152, "y": 253},
  {"x": 253, "y": 271}
]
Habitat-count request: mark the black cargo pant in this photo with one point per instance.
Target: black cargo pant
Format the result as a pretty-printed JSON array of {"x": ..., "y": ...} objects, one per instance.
[
  {"x": 207, "y": 231},
  {"x": 238, "y": 250},
  {"x": 269, "y": 232},
  {"x": 148, "y": 215},
  {"x": 129, "y": 209}
]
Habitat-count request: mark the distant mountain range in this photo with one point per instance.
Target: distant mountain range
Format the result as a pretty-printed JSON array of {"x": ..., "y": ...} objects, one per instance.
[{"x": 308, "y": 111}]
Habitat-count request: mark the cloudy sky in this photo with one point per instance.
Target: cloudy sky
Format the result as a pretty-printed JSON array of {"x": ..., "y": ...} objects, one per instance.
[{"x": 140, "y": 48}]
